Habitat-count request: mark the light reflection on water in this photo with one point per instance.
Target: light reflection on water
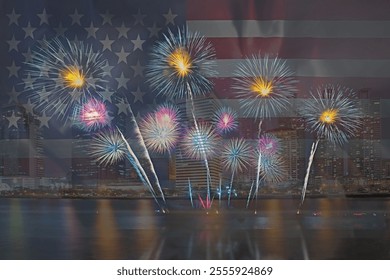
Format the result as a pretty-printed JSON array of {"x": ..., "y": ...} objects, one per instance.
[{"x": 132, "y": 229}]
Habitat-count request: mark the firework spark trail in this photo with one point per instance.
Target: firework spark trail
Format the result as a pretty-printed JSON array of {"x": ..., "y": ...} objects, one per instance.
[
  {"x": 190, "y": 192},
  {"x": 235, "y": 156},
  {"x": 200, "y": 143},
  {"x": 311, "y": 157},
  {"x": 145, "y": 151},
  {"x": 265, "y": 86},
  {"x": 333, "y": 115},
  {"x": 138, "y": 167},
  {"x": 180, "y": 67},
  {"x": 249, "y": 195},
  {"x": 220, "y": 193},
  {"x": 258, "y": 162},
  {"x": 206, "y": 163}
]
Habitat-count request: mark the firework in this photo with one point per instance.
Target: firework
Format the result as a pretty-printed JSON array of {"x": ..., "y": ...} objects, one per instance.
[
  {"x": 332, "y": 115},
  {"x": 268, "y": 145},
  {"x": 91, "y": 115},
  {"x": 264, "y": 86},
  {"x": 65, "y": 74},
  {"x": 225, "y": 120},
  {"x": 272, "y": 168},
  {"x": 167, "y": 113},
  {"x": 161, "y": 130},
  {"x": 236, "y": 155},
  {"x": 200, "y": 143},
  {"x": 180, "y": 60},
  {"x": 108, "y": 147}
]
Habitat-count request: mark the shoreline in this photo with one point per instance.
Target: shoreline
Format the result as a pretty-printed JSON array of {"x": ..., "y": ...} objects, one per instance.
[{"x": 260, "y": 197}]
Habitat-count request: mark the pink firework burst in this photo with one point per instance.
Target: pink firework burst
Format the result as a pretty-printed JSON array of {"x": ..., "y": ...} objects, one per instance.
[
  {"x": 91, "y": 115},
  {"x": 225, "y": 120},
  {"x": 167, "y": 114},
  {"x": 268, "y": 145},
  {"x": 161, "y": 129}
]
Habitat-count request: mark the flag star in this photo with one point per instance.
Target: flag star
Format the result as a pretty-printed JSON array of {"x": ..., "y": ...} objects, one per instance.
[
  {"x": 29, "y": 31},
  {"x": 107, "y": 68},
  {"x": 122, "y": 31},
  {"x": 43, "y": 95},
  {"x": 170, "y": 17},
  {"x": 154, "y": 30},
  {"x": 122, "y": 55},
  {"x": 138, "y": 69},
  {"x": 107, "y": 18},
  {"x": 61, "y": 30},
  {"x": 43, "y": 17},
  {"x": 138, "y": 95},
  {"x": 13, "y": 69},
  {"x": 137, "y": 43},
  {"x": 139, "y": 18},
  {"x": 29, "y": 107},
  {"x": 13, "y": 44},
  {"x": 122, "y": 107},
  {"x": 13, "y": 17},
  {"x": 76, "y": 95},
  {"x": 14, "y": 95},
  {"x": 44, "y": 120},
  {"x": 107, "y": 95},
  {"x": 29, "y": 81},
  {"x": 91, "y": 31},
  {"x": 28, "y": 55},
  {"x": 106, "y": 43},
  {"x": 122, "y": 81},
  {"x": 91, "y": 81},
  {"x": 13, "y": 120},
  {"x": 76, "y": 17}
]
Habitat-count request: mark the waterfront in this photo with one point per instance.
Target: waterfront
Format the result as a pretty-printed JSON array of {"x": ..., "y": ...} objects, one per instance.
[{"x": 328, "y": 228}]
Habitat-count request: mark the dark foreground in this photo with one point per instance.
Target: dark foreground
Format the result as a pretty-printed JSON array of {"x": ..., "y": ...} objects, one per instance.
[{"x": 327, "y": 228}]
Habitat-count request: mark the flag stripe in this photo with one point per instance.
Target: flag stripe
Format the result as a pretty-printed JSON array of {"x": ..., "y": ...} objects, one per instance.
[
  {"x": 289, "y": 9},
  {"x": 319, "y": 67},
  {"x": 312, "y": 48},
  {"x": 377, "y": 87},
  {"x": 291, "y": 28}
]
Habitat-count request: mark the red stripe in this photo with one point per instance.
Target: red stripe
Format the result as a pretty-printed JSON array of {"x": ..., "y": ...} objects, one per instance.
[
  {"x": 377, "y": 87},
  {"x": 313, "y": 48},
  {"x": 288, "y": 10}
]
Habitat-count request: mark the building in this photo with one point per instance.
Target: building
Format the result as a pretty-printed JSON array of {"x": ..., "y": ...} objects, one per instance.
[
  {"x": 21, "y": 149},
  {"x": 190, "y": 169}
]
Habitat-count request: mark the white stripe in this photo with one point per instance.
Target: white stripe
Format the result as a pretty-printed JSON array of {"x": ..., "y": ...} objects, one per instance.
[
  {"x": 291, "y": 28},
  {"x": 340, "y": 68}
]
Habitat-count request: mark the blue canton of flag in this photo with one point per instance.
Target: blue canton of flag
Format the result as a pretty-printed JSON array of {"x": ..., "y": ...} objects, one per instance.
[{"x": 123, "y": 30}]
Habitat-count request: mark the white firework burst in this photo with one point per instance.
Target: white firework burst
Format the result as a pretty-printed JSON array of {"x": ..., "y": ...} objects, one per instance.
[
  {"x": 181, "y": 61},
  {"x": 64, "y": 74},
  {"x": 108, "y": 147},
  {"x": 264, "y": 86}
]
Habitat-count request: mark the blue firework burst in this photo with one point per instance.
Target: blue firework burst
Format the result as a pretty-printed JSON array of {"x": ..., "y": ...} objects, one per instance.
[
  {"x": 108, "y": 147},
  {"x": 200, "y": 143},
  {"x": 236, "y": 155}
]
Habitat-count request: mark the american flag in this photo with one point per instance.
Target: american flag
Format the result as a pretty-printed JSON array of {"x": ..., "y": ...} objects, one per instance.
[{"x": 340, "y": 42}]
